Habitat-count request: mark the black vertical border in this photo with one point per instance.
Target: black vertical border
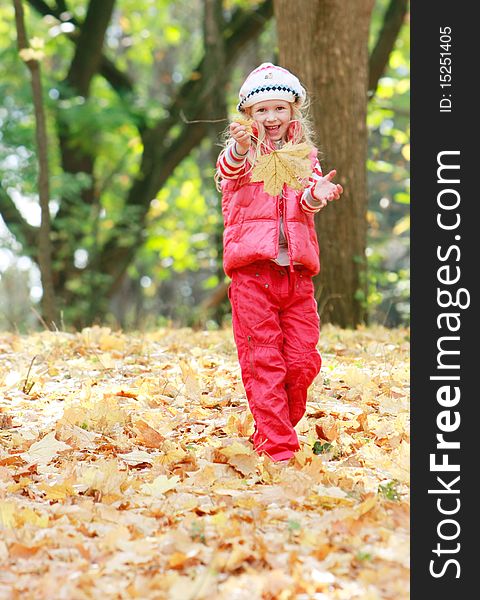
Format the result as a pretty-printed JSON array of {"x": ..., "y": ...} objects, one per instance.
[{"x": 433, "y": 132}]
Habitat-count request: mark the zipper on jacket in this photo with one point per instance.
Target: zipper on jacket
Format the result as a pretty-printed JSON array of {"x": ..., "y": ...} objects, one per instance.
[
  {"x": 285, "y": 232},
  {"x": 250, "y": 354},
  {"x": 280, "y": 211}
]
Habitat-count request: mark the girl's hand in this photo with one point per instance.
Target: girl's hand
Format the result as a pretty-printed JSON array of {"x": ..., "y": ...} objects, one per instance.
[
  {"x": 241, "y": 136},
  {"x": 325, "y": 191}
]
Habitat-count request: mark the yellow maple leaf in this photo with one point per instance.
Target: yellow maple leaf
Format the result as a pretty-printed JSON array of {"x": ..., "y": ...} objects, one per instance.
[
  {"x": 32, "y": 517},
  {"x": 104, "y": 477},
  {"x": 235, "y": 426},
  {"x": 45, "y": 450},
  {"x": 245, "y": 463},
  {"x": 160, "y": 485},
  {"x": 190, "y": 379},
  {"x": 7, "y": 515},
  {"x": 289, "y": 165},
  {"x": 236, "y": 449},
  {"x": 171, "y": 453},
  {"x": 137, "y": 457},
  {"x": 58, "y": 491},
  {"x": 246, "y": 122}
]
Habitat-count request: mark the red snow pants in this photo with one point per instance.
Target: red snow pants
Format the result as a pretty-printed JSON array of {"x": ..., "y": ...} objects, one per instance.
[{"x": 276, "y": 329}]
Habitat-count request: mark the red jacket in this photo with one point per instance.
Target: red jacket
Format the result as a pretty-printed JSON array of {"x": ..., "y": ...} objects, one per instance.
[{"x": 252, "y": 223}]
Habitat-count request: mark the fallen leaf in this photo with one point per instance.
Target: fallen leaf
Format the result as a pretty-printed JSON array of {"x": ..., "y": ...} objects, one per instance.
[
  {"x": 43, "y": 451},
  {"x": 235, "y": 449},
  {"x": 3, "y": 551},
  {"x": 245, "y": 463},
  {"x": 17, "y": 550},
  {"x": 58, "y": 491},
  {"x": 327, "y": 429},
  {"x": 190, "y": 379},
  {"x": 136, "y": 457},
  {"x": 209, "y": 518},
  {"x": 147, "y": 435},
  {"x": 5, "y": 421},
  {"x": 160, "y": 485},
  {"x": 104, "y": 477},
  {"x": 7, "y": 511}
]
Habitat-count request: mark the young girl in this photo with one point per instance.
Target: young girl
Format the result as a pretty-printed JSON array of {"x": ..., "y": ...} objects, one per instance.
[{"x": 271, "y": 253}]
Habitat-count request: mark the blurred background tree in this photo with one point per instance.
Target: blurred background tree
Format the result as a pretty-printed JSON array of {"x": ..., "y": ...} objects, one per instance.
[{"x": 136, "y": 223}]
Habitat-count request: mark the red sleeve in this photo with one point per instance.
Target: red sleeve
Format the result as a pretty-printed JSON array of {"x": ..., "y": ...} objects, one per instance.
[
  {"x": 308, "y": 202},
  {"x": 230, "y": 164}
]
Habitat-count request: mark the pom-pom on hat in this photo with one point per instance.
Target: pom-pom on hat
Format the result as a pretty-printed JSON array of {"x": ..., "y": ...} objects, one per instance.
[{"x": 269, "y": 82}]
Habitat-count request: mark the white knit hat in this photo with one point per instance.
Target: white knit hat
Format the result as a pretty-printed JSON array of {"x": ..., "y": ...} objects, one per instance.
[{"x": 269, "y": 82}]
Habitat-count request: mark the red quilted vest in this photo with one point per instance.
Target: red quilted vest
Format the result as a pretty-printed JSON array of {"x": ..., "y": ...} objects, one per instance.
[{"x": 252, "y": 225}]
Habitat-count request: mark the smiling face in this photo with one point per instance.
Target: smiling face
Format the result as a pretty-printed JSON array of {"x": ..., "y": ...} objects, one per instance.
[{"x": 275, "y": 117}]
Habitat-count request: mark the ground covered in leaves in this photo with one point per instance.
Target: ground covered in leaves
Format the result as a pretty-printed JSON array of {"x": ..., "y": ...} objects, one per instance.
[{"x": 126, "y": 471}]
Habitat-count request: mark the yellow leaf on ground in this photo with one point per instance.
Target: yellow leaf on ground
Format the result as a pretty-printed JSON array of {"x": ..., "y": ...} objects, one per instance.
[
  {"x": 366, "y": 505},
  {"x": 148, "y": 436},
  {"x": 105, "y": 477},
  {"x": 326, "y": 428},
  {"x": 108, "y": 342},
  {"x": 136, "y": 457},
  {"x": 75, "y": 436},
  {"x": 190, "y": 379},
  {"x": 3, "y": 551},
  {"x": 43, "y": 451},
  {"x": 172, "y": 453},
  {"x": 245, "y": 463},
  {"x": 160, "y": 485},
  {"x": 235, "y": 449},
  {"x": 31, "y": 517},
  {"x": 58, "y": 491},
  {"x": 356, "y": 377},
  {"x": 17, "y": 550},
  {"x": 239, "y": 427},
  {"x": 332, "y": 494},
  {"x": 7, "y": 511}
]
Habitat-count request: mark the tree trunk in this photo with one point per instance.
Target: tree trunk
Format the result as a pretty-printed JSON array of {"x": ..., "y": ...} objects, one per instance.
[
  {"x": 44, "y": 243},
  {"x": 324, "y": 42}
]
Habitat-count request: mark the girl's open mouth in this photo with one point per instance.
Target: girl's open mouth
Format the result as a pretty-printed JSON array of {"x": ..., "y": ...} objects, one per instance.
[{"x": 272, "y": 130}]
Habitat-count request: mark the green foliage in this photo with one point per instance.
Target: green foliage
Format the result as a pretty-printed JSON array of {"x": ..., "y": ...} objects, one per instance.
[
  {"x": 181, "y": 223},
  {"x": 320, "y": 448},
  {"x": 390, "y": 491},
  {"x": 197, "y": 532},
  {"x": 389, "y": 184},
  {"x": 362, "y": 556}
]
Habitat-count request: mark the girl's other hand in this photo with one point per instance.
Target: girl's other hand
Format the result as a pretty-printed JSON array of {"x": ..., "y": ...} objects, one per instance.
[
  {"x": 241, "y": 137},
  {"x": 325, "y": 191}
]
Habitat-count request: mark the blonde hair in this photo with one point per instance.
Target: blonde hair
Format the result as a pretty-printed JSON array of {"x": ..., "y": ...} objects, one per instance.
[{"x": 301, "y": 133}]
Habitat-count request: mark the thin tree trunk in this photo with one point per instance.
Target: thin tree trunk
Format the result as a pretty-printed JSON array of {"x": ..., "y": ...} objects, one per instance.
[
  {"x": 324, "y": 42},
  {"x": 44, "y": 243}
]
